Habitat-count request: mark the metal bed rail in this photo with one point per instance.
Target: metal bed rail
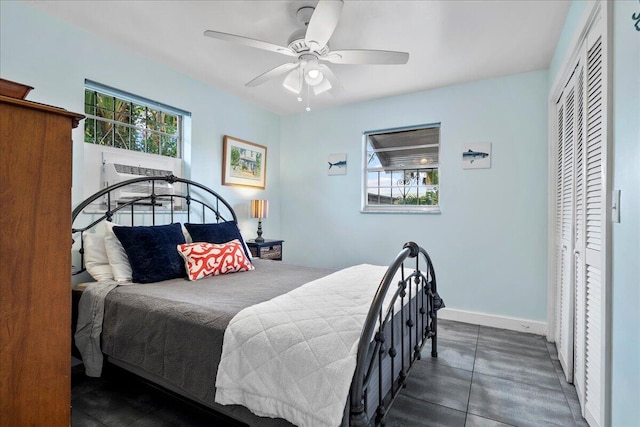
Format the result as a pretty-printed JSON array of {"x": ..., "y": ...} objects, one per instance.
[{"x": 395, "y": 333}]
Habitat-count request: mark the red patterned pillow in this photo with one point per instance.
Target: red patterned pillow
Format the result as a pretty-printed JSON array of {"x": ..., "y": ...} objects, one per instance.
[{"x": 212, "y": 259}]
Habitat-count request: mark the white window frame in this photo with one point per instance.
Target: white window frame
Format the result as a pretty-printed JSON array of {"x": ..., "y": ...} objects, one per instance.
[
  {"x": 403, "y": 208},
  {"x": 184, "y": 116}
]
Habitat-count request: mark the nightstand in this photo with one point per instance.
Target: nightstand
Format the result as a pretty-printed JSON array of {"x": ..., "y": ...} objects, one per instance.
[{"x": 269, "y": 249}]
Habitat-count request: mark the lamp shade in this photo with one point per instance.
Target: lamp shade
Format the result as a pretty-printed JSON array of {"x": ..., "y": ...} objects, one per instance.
[
  {"x": 259, "y": 208},
  {"x": 293, "y": 81},
  {"x": 312, "y": 73}
]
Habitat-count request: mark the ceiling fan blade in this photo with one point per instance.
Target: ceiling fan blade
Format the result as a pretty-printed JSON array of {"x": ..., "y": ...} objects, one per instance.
[
  {"x": 358, "y": 56},
  {"x": 322, "y": 24},
  {"x": 274, "y": 72},
  {"x": 258, "y": 44}
]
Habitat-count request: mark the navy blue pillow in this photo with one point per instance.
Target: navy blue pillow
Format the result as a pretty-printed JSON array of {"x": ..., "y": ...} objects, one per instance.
[
  {"x": 152, "y": 251},
  {"x": 221, "y": 232}
]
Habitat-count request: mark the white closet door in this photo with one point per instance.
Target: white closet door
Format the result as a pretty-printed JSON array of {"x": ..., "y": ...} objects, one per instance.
[
  {"x": 595, "y": 191},
  {"x": 579, "y": 243},
  {"x": 566, "y": 279},
  {"x": 558, "y": 214},
  {"x": 580, "y": 233}
]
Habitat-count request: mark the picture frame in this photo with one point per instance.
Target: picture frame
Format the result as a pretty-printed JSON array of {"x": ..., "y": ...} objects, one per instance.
[
  {"x": 244, "y": 164},
  {"x": 476, "y": 156},
  {"x": 337, "y": 164}
]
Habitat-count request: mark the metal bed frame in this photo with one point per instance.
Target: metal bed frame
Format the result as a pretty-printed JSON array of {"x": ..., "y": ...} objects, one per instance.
[
  {"x": 391, "y": 340},
  {"x": 197, "y": 205}
]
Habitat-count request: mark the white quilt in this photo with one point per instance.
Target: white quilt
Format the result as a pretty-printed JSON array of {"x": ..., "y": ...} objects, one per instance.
[{"x": 294, "y": 356}]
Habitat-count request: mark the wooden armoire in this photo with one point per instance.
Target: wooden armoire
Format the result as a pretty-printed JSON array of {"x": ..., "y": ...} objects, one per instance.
[{"x": 35, "y": 263}]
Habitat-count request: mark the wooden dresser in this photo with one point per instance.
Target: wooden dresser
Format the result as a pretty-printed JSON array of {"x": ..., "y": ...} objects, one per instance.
[{"x": 35, "y": 263}]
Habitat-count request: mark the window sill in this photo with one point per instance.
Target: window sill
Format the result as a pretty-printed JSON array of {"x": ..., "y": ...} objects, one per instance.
[{"x": 431, "y": 210}]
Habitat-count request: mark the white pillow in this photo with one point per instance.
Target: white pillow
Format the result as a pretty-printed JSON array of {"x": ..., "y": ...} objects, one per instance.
[
  {"x": 95, "y": 257},
  {"x": 187, "y": 236},
  {"x": 118, "y": 259}
]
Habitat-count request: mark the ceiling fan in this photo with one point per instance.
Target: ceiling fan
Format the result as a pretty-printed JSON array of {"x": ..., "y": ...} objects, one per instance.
[{"x": 309, "y": 45}]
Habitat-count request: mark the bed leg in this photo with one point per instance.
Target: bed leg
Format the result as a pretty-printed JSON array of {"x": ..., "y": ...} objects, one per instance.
[
  {"x": 434, "y": 338},
  {"x": 436, "y": 304},
  {"x": 358, "y": 417}
]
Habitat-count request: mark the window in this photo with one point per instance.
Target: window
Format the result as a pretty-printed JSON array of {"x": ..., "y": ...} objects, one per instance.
[
  {"x": 401, "y": 172},
  {"x": 119, "y": 119}
]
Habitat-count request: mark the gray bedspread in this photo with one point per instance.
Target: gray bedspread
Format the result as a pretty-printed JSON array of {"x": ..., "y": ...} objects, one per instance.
[{"x": 174, "y": 329}]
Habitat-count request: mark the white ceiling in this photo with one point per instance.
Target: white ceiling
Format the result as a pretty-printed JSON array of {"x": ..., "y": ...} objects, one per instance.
[{"x": 449, "y": 42}]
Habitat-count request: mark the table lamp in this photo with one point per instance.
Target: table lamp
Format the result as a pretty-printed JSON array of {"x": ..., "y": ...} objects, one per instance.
[{"x": 259, "y": 209}]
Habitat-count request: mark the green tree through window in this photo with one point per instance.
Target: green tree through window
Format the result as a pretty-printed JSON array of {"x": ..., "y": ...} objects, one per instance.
[{"x": 121, "y": 122}]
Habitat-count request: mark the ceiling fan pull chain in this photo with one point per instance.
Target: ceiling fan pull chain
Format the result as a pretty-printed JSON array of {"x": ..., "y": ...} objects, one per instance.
[{"x": 308, "y": 98}]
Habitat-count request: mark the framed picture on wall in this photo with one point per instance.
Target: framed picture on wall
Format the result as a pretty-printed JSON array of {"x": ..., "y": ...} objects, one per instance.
[
  {"x": 244, "y": 163},
  {"x": 476, "y": 156},
  {"x": 337, "y": 164}
]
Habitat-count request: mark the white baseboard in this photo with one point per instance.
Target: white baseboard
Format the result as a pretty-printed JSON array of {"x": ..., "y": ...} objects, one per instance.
[{"x": 494, "y": 321}]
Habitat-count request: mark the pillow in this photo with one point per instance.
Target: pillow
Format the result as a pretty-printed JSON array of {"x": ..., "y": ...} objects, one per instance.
[
  {"x": 221, "y": 232},
  {"x": 187, "y": 237},
  {"x": 152, "y": 251},
  {"x": 95, "y": 257},
  {"x": 118, "y": 259},
  {"x": 212, "y": 259}
]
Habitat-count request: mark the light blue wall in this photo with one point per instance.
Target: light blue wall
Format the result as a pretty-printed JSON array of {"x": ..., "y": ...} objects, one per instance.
[
  {"x": 625, "y": 396},
  {"x": 55, "y": 58},
  {"x": 625, "y": 286},
  {"x": 489, "y": 243},
  {"x": 574, "y": 16}
]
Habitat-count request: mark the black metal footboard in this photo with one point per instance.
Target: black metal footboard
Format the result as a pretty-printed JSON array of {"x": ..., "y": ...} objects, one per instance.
[{"x": 393, "y": 337}]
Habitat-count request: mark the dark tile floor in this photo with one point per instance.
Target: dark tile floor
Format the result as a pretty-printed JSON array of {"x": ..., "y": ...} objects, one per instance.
[{"x": 482, "y": 377}]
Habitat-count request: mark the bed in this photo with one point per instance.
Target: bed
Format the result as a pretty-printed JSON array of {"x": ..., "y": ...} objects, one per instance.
[{"x": 264, "y": 342}]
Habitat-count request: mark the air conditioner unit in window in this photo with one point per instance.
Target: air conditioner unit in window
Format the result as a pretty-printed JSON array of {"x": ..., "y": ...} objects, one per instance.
[{"x": 113, "y": 173}]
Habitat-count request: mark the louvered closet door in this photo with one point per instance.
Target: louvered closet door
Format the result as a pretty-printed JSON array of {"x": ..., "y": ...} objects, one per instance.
[
  {"x": 595, "y": 220},
  {"x": 558, "y": 214},
  {"x": 579, "y": 244},
  {"x": 580, "y": 224},
  {"x": 565, "y": 261}
]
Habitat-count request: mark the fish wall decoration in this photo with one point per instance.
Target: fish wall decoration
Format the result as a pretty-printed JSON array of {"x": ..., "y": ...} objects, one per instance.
[
  {"x": 476, "y": 156},
  {"x": 337, "y": 164}
]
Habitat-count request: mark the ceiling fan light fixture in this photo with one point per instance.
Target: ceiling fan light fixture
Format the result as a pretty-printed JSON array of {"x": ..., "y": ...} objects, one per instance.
[
  {"x": 313, "y": 77},
  {"x": 322, "y": 87},
  {"x": 293, "y": 81},
  {"x": 313, "y": 74}
]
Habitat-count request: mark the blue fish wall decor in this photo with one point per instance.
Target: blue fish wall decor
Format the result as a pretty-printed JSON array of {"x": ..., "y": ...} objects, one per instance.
[
  {"x": 471, "y": 155},
  {"x": 476, "y": 155},
  {"x": 340, "y": 164},
  {"x": 337, "y": 164}
]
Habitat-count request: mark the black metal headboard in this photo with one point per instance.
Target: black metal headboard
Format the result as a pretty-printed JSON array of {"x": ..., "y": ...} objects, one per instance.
[{"x": 188, "y": 201}]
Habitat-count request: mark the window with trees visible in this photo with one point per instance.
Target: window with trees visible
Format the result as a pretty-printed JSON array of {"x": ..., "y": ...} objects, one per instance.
[
  {"x": 119, "y": 119},
  {"x": 401, "y": 172}
]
